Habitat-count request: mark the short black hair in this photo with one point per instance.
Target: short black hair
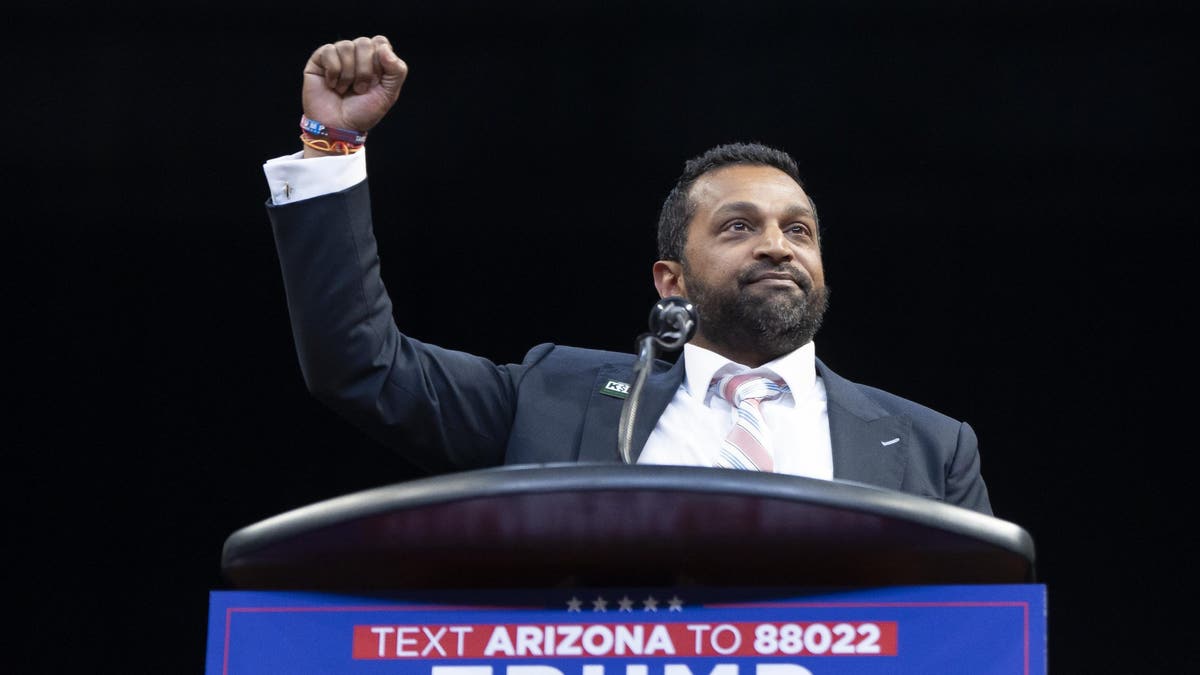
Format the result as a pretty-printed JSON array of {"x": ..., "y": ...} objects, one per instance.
[{"x": 678, "y": 209}]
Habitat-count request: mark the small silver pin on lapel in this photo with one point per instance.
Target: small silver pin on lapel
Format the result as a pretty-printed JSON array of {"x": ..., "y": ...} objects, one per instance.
[{"x": 891, "y": 442}]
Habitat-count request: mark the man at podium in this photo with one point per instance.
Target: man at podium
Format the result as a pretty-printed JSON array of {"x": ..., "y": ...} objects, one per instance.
[{"x": 738, "y": 237}]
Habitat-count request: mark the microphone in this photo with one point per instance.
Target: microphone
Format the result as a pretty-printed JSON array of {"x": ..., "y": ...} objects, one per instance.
[{"x": 672, "y": 323}]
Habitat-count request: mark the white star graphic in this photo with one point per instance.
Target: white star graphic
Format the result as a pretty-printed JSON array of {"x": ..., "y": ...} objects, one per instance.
[
  {"x": 675, "y": 603},
  {"x": 626, "y": 604},
  {"x": 651, "y": 605},
  {"x": 573, "y": 604},
  {"x": 599, "y": 604}
]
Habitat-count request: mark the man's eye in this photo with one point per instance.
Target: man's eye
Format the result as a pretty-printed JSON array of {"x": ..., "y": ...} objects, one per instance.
[
  {"x": 799, "y": 228},
  {"x": 738, "y": 225}
]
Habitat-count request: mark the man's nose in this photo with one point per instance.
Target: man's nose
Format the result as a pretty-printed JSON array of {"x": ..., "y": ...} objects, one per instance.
[{"x": 773, "y": 244}]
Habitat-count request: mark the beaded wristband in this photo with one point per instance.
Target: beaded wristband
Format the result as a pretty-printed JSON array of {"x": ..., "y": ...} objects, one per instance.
[
  {"x": 317, "y": 129},
  {"x": 326, "y": 145}
]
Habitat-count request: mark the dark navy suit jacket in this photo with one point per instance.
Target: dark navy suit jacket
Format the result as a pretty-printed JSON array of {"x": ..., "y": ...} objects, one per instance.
[{"x": 452, "y": 411}]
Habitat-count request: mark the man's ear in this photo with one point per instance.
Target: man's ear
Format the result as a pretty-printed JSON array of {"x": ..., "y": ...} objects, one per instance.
[{"x": 668, "y": 278}]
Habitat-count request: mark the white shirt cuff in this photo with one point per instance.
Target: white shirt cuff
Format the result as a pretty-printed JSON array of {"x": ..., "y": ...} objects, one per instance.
[{"x": 292, "y": 178}]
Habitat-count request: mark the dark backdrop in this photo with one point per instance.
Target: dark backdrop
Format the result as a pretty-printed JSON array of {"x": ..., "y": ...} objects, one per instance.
[{"x": 1006, "y": 196}]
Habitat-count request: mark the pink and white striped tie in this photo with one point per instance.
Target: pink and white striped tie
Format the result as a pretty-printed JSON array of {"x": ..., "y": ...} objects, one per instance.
[{"x": 748, "y": 445}]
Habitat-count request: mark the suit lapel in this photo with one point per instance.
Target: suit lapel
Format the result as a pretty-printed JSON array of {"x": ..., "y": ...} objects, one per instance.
[
  {"x": 599, "y": 437},
  {"x": 869, "y": 445}
]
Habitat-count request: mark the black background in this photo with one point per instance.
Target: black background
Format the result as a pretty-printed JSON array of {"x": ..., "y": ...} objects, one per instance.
[{"x": 1006, "y": 193}]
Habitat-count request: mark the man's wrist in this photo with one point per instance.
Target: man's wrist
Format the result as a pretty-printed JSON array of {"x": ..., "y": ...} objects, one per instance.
[{"x": 311, "y": 152}]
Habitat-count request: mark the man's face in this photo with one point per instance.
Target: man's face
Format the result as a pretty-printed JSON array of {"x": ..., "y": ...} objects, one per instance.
[{"x": 751, "y": 265}]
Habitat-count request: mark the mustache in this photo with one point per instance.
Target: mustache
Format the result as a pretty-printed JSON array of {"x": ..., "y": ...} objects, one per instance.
[{"x": 760, "y": 270}]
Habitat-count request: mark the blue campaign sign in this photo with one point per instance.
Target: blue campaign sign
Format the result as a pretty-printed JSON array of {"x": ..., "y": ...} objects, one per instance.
[{"x": 612, "y": 631}]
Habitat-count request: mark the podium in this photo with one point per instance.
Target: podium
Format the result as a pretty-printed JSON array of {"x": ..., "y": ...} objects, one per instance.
[{"x": 581, "y": 569}]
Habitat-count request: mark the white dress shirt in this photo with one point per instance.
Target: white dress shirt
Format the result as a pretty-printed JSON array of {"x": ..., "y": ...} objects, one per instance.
[
  {"x": 291, "y": 178},
  {"x": 696, "y": 420}
]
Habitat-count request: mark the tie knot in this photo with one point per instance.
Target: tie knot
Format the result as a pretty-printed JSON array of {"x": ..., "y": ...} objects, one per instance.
[{"x": 749, "y": 386}]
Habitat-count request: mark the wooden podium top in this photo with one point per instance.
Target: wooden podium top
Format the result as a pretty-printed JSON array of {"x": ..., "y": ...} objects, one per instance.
[{"x": 605, "y": 524}]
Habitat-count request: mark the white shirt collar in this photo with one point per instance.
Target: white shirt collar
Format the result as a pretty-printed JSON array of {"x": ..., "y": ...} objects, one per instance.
[{"x": 798, "y": 369}]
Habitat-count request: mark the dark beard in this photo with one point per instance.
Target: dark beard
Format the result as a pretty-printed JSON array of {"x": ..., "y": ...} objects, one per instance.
[{"x": 769, "y": 324}]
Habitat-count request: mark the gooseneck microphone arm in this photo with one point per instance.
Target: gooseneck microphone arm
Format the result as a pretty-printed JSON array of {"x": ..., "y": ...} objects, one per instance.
[{"x": 672, "y": 324}]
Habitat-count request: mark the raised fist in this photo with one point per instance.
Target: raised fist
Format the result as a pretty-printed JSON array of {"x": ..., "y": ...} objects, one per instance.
[{"x": 351, "y": 84}]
